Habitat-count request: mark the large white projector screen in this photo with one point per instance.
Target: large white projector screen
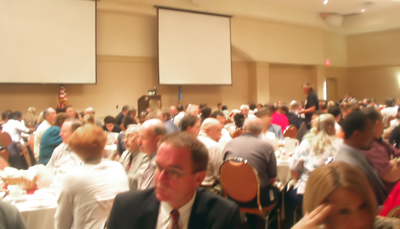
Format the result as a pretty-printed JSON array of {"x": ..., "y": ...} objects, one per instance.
[
  {"x": 48, "y": 41},
  {"x": 193, "y": 48}
]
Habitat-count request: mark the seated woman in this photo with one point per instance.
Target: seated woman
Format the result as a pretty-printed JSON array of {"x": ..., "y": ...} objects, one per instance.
[
  {"x": 338, "y": 195},
  {"x": 318, "y": 148},
  {"x": 51, "y": 139},
  {"x": 88, "y": 191}
]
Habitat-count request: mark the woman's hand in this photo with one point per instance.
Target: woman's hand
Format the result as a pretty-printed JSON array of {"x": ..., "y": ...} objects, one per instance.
[{"x": 315, "y": 218}]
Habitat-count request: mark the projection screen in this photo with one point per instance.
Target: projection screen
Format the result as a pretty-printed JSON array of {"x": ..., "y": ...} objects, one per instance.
[
  {"x": 48, "y": 41},
  {"x": 193, "y": 48}
]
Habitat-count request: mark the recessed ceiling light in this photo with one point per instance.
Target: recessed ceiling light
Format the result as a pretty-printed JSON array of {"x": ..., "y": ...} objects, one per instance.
[
  {"x": 326, "y": 2},
  {"x": 363, "y": 10}
]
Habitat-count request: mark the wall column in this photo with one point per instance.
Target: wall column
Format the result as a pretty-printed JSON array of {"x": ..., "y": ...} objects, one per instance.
[{"x": 259, "y": 87}]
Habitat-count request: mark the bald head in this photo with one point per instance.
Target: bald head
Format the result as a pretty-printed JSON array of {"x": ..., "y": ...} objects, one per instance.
[
  {"x": 212, "y": 127},
  {"x": 150, "y": 133},
  {"x": 89, "y": 110},
  {"x": 253, "y": 125}
]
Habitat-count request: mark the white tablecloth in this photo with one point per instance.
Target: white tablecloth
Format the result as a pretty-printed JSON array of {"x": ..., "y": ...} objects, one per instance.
[
  {"x": 283, "y": 171},
  {"x": 109, "y": 149},
  {"x": 37, "y": 217}
]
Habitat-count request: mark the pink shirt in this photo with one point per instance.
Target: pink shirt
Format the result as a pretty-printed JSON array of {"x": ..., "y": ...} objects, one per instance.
[{"x": 280, "y": 120}]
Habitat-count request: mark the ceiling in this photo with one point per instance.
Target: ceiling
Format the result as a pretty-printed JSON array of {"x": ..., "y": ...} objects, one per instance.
[
  {"x": 378, "y": 15},
  {"x": 343, "y": 7}
]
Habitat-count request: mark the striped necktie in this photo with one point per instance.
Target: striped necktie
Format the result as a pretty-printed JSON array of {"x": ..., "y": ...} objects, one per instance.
[{"x": 175, "y": 219}]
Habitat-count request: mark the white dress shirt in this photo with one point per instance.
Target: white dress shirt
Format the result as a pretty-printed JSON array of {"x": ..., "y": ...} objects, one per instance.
[
  {"x": 165, "y": 220},
  {"x": 63, "y": 157},
  {"x": 88, "y": 193},
  {"x": 38, "y": 136},
  {"x": 14, "y": 128},
  {"x": 215, "y": 159}
]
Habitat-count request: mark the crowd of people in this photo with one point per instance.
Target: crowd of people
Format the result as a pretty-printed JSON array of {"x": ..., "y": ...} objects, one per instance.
[{"x": 164, "y": 172}]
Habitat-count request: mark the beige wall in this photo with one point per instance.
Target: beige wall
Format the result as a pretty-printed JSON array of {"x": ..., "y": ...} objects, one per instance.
[
  {"x": 378, "y": 82},
  {"x": 286, "y": 80},
  {"x": 372, "y": 49},
  {"x": 284, "y": 56}
]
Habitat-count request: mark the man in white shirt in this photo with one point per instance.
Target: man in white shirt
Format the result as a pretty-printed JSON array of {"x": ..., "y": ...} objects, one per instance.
[
  {"x": 62, "y": 156},
  {"x": 390, "y": 110},
  {"x": 49, "y": 117},
  {"x": 175, "y": 201},
  {"x": 210, "y": 134},
  {"x": 14, "y": 126},
  {"x": 225, "y": 136},
  {"x": 88, "y": 192},
  {"x": 150, "y": 133}
]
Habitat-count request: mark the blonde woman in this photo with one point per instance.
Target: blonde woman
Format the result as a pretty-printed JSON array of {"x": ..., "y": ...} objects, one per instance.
[
  {"x": 318, "y": 148},
  {"x": 338, "y": 196}
]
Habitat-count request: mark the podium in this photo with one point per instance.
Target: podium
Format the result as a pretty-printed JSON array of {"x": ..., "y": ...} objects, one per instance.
[{"x": 151, "y": 101}]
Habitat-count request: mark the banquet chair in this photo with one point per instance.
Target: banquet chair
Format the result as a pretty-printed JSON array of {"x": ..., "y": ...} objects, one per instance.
[
  {"x": 5, "y": 139},
  {"x": 4, "y": 153},
  {"x": 394, "y": 213},
  {"x": 290, "y": 132},
  {"x": 3, "y": 163},
  {"x": 241, "y": 184},
  {"x": 31, "y": 141}
]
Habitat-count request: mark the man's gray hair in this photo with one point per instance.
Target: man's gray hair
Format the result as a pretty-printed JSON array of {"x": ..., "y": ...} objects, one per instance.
[
  {"x": 244, "y": 107},
  {"x": 253, "y": 125}
]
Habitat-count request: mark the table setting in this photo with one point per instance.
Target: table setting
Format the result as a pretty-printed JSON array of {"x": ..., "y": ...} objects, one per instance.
[{"x": 34, "y": 192}]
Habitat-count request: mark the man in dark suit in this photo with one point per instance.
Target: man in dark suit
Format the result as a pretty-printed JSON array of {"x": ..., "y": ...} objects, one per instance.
[
  {"x": 120, "y": 117},
  {"x": 175, "y": 201}
]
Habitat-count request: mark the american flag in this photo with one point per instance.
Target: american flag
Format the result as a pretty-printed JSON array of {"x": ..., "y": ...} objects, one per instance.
[{"x": 62, "y": 97}]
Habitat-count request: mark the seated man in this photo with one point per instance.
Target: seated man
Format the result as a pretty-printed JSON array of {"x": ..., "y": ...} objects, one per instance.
[
  {"x": 132, "y": 158},
  {"x": 210, "y": 135},
  {"x": 150, "y": 132},
  {"x": 381, "y": 154},
  {"x": 175, "y": 201},
  {"x": 63, "y": 156},
  {"x": 89, "y": 190},
  {"x": 191, "y": 124},
  {"x": 14, "y": 127},
  {"x": 358, "y": 135},
  {"x": 260, "y": 154},
  {"x": 109, "y": 125},
  {"x": 10, "y": 217},
  {"x": 269, "y": 130}
]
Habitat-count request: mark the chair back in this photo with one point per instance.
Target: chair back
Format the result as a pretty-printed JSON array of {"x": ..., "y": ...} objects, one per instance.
[
  {"x": 4, "y": 153},
  {"x": 394, "y": 213},
  {"x": 5, "y": 139},
  {"x": 290, "y": 132},
  {"x": 239, "y": 180},
  {"x": 31, "y": 142},
  {"x": 3, "y": 163}
]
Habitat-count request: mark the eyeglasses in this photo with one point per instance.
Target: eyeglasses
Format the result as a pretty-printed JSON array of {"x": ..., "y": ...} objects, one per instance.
[
  {"x": 129, "y": 136},
  {"x": 171, "y": 173}
]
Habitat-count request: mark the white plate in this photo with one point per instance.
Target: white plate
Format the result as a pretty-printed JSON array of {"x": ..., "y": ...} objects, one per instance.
[
  {"x": 19, "y": 199},
  {"x": 40, "y": 203}
]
